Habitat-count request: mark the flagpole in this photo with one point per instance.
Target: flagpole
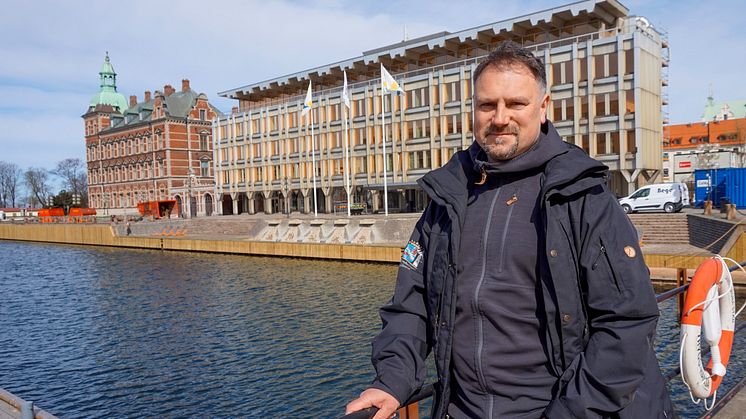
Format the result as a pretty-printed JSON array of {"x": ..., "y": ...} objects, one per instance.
[
  {"x": 383, "y": 125},
  {"x": 347, "y": 159},
  {"x": 313, "y": 160}
]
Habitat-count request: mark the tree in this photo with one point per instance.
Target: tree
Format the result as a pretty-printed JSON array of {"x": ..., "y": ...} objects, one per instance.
[
  {"x": 37, "y": 182},
  {"x": 10, "y": 176},
  {"x": 72, "y": 172}
]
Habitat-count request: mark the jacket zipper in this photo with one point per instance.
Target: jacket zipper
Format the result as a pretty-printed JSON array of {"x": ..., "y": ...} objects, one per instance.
[
  {"x": 477, "y": 311},
  {"x": 505, "y": 236}
]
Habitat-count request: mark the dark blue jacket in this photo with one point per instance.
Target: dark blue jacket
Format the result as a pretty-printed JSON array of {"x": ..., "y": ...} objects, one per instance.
[{"x": 599, "y": 304}]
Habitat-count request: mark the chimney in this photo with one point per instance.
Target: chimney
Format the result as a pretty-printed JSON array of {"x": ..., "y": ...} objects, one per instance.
[
  {"x": 168, "y": 89},
  {"x": 184, "y": 85},
  {"x": 234, "y": 110},
  {"x": 147, "y": 96},
  {"x": 133, "y": 101}
]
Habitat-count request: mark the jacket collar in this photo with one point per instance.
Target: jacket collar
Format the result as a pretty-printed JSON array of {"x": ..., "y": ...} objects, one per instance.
[{"x": 568, "y": 172}]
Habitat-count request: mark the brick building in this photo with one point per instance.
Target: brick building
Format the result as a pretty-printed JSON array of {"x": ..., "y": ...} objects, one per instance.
[{"x": 156, "y": 149}]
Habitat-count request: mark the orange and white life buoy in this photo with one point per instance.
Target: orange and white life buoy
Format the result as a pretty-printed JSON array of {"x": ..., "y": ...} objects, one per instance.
[{"x": 709, "y": 310}]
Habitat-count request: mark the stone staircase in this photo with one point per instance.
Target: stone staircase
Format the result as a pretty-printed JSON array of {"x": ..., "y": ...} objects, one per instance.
[{"x": 662, "y": 228}]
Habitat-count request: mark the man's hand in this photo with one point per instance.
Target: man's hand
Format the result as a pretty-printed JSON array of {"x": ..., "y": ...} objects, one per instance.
[{"x": 373, "y": 397}]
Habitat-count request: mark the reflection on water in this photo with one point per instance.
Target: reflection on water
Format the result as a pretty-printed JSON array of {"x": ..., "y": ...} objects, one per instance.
[{"x": 91, "y": 332}]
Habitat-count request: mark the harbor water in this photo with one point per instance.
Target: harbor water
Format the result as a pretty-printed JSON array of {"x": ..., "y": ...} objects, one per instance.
[{"x": 98, "y": 332}]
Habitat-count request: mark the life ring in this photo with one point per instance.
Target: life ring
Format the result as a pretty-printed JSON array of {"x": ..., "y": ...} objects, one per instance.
[{"x": 710, "y": 302}]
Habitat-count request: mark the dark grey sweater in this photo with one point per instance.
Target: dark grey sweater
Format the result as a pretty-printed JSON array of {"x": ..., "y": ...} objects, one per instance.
[{"x": 500, "y": 365}]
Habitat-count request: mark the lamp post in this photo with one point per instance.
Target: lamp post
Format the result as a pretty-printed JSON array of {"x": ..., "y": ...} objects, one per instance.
[{"x": 191, "y": 182}]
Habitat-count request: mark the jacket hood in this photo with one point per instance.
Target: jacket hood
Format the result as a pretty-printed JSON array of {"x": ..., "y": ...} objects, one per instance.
[
  {"x": 546, "y": 147},
  {"x": 574, "y": 172}
]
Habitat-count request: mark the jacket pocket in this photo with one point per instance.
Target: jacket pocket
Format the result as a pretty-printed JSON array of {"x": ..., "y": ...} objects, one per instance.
[
  {"x": 622, "y": 257},
  {"x": 438, "y": 264}
]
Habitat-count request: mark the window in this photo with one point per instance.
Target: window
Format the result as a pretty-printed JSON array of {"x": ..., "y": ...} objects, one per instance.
[
  {"x": 599, "y": 66},
  {"x": 583, "y": 69},
  {"x": 614, "y": 103},
  {"x": 203, "y": 141},
  {"x": 601, "y": 143},
  {"x": 584, "y": 107},
  {"x": 629, "y": 101},
  {"x": 202, "y": 114},
  {"x": 417, "y": 98},
  {"x": 419, "y": 159},
  {"x": 613, "y": 64},
  {"x": 204, "y": 168},
  {"x": 452, "y": 91},
  {"x": 629, "y": 61},
  {"x": 601, "y": 105},
  {"x": 642, "y": 193},
  {"x": 631, "y": 143}
]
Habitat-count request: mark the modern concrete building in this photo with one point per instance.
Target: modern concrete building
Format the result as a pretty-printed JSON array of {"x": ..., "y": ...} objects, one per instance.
[
  {"x": 606, "y": 75},
  {"x": 157, "y": 149}
]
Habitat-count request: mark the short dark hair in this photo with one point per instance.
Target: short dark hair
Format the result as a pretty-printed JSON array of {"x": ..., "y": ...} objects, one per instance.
[{"x": 510, "y": 53}]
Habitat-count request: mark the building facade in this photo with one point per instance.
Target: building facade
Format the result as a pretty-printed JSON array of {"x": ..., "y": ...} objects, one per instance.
[
  {"x": 606, "y": 75},
  {"x": 716, "y": 143},
  {"x": 156, "y": 149}
]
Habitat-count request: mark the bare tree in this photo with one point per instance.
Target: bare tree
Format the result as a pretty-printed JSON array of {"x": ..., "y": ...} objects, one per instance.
[
  {"x": 73, "y": 175},
  {"x": 37, "y": 182},
  {"x": 10, "y": 176}
]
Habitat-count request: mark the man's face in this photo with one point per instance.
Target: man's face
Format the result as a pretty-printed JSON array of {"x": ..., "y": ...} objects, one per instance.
[{"x": 510, "y": 108}]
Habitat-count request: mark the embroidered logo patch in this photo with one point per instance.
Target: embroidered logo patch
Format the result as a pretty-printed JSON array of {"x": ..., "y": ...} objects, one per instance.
[{"x": 412, "y": 255}]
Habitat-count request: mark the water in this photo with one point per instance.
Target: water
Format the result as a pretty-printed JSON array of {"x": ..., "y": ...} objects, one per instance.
[{"x": 93, "y": 332}]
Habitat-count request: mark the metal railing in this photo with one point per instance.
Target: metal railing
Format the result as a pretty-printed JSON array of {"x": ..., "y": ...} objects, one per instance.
[{"x": 410, "y": 409}]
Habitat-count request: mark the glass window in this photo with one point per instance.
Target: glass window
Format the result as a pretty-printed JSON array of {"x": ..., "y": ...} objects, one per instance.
[{"x": 629, "y": 61}]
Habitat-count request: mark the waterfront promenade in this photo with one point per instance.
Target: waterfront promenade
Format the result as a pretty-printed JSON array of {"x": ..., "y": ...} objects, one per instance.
[{"x": 371, "y": 237}]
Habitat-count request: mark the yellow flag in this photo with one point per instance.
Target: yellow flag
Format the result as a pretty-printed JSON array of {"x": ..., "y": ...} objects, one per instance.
[
  {"x": 308, "y": 103},
  {"x": 388, "y": 84}
]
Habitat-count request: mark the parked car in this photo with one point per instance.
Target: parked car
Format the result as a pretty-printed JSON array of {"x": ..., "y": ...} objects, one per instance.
[{"x": 667, "y": 197}]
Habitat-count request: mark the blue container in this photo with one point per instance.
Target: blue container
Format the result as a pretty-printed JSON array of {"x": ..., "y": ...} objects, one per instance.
[{"x": 720, "y": 185}]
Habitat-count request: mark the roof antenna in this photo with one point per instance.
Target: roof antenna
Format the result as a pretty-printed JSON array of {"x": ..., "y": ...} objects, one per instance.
[{"x": 406, "y": 37}]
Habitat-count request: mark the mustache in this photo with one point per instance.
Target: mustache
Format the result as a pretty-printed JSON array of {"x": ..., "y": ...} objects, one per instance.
[{"x": 495, "y": 130}]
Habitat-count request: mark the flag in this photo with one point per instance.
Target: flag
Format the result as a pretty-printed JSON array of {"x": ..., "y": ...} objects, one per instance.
[
  {"x": 345, "y": 94},
  {"x": 308, "y": 103},
  {"x": 388, "y": 84}
]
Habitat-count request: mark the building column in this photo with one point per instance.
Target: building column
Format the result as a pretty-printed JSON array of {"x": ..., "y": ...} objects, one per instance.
[
  {"x": 306, "y": 202},
  {"x": 252, "y": 205},
  {"x": 376, "y": 201},
  {"x": 234, "y": 201}
]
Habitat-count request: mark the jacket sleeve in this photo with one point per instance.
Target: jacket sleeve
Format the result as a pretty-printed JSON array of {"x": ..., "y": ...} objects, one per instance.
[
  {"x": 621, "y": 312},
  {"x": 400, "y": 349}
]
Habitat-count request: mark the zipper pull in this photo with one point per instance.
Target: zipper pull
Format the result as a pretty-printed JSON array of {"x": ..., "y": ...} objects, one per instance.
[
  {"x": 513, "y": 199},
  {"x": 601, "y": 252},
  {"x": 484, "y": 178}
]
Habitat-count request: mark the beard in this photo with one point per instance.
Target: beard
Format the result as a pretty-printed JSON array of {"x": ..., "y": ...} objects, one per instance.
[{"x": 500, "y": 148}]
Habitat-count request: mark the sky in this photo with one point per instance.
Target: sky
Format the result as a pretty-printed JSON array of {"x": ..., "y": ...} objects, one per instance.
[{"x": 52, "y": 51}]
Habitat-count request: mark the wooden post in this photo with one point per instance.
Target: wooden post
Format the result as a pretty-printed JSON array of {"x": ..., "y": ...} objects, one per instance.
[
  {"x": 708, "y": 207},
  {"x": 731, "y": 214},
  {"x": 681, "y": 278},
  {"x": 410, "y": 411}
]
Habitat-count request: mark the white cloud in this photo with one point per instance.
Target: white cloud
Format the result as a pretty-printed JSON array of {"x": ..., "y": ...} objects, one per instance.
[{"x": 51, "y": 60}]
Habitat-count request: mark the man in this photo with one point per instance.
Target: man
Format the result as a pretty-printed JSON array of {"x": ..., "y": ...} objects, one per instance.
[{"x": 523, "y": 276}]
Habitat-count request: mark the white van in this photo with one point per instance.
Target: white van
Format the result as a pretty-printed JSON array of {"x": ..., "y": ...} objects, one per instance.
[{"x": 668, "y": 197}]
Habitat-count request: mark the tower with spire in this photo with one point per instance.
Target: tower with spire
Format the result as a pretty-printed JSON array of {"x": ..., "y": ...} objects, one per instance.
[{"x": 106, "y": 102}]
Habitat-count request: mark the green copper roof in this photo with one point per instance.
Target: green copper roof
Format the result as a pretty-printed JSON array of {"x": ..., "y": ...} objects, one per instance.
[
  {"x": 718, "y": 110},
  {"x": 108, "y": 94}
]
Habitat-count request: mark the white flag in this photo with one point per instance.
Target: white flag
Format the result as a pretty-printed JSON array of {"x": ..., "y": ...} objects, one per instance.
[
  {"x": 345, "y": 94},
  {"x": 388, "y": 83},
  {"x": 308, "y": 103}
]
